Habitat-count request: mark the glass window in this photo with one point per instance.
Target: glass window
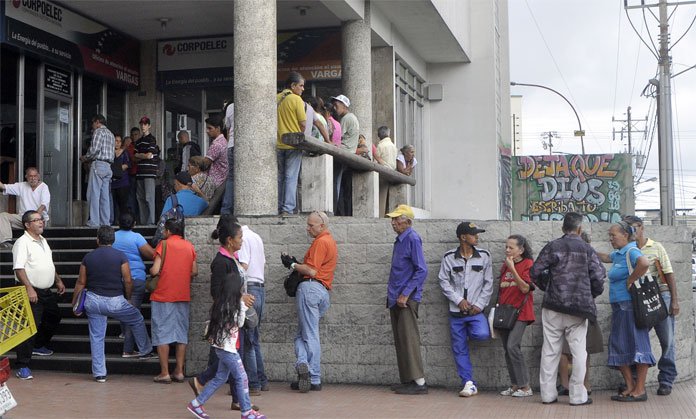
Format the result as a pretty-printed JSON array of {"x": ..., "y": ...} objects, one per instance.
[
  {"x": 182, "y": 107},
  {"x": 91, "y": 105},
  {"x": 31, "y": 99},
  {"x": 215, "y": 98},
  {"x": 8, "y": 116},
  {"x": 115, "y": 110}
]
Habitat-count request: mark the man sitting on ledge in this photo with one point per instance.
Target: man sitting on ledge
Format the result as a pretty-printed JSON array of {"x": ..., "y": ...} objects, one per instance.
[
  {"x": 189, "y": 201},
  {"x": 33, "y": 195}
]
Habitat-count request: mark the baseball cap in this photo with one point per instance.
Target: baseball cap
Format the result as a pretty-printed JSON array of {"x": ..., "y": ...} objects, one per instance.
[
  {"x": 467, "y": 227},
  {"x": 145, "y": 120},
  {"x": 184, "y": 178},
  {"x": 341, "y": 98},
  {"x": 402, "y": 209}
]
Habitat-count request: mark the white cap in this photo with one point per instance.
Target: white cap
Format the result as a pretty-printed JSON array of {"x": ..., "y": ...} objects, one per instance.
[{"x": 343, "y": 99}]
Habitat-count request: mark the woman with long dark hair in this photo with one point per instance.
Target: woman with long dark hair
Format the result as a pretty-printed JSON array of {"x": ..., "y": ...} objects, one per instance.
[{"x": 516, "y": 289}]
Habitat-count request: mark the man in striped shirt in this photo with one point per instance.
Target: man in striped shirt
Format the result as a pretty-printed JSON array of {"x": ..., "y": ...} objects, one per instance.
[
  {"x": 100, "y": 155},
  {"x": 147, "y": 156}
]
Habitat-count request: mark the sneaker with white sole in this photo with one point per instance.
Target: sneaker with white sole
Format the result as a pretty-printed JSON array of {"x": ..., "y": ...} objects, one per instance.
[
  {"x": 197, "y": 411},
  {"x": 507, "y": 392},
  {"x": 253, "y": 414},
  {"x": 42, "y": 351},
  {"x": 469, "y": 389},
  {"x": 522, "y": 393},
  {"x": 24, "y": 373}
]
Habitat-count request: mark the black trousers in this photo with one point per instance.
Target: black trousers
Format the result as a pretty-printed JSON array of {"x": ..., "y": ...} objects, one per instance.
[
  {"x": 47, "y": 318},
  {"x": 120, "y": 196}
]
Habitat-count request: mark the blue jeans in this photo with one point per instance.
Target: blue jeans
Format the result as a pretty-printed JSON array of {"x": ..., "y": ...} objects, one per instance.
[
  {"x": 98, "y": 308},
  {"x": 99, "y": 193},
  {"x": 312, "y": 302},
  {"x": 136, "y": 300},
  {"x": 665, "y": 334},
  {"x": 228, "y": 199},
  {"x": 462, "y": 329},
  {"x": 229, "y": 366},
  {"x": 289, "y": 164},
  {"x": 253, "y": 360}
]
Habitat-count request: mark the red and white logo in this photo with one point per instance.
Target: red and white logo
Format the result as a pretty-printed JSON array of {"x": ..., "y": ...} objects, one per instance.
[{"x": 168, "y": 49}]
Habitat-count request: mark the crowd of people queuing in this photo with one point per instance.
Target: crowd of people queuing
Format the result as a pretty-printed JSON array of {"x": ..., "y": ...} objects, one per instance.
[
  {"x": 334, "y": 123},
  {"x": 568, "y": 270}
]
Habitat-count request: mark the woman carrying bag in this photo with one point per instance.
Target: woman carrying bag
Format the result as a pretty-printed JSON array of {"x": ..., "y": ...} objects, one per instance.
[
  {"x": 628, "y": 345},
  {"x": 516, "y": 290}
]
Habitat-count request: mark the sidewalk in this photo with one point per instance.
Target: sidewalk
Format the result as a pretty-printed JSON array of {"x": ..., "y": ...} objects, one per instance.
[{"x": 61, "y": 395}]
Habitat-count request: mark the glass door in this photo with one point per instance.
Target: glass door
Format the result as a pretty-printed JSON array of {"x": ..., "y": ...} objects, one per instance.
[{"x": 56, "y": 157}]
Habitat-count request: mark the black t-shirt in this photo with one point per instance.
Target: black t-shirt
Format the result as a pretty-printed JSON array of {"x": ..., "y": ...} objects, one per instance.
[
  {"x": 104, "y": 271},
  {"x": 147, "y": 168}
]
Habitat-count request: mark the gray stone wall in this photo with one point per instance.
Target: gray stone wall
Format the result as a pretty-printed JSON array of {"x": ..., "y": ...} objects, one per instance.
[{"x": 356, "y": 337}]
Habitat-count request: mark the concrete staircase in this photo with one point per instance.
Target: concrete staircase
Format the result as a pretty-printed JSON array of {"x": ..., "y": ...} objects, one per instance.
[{"x": 71, "y": 342}]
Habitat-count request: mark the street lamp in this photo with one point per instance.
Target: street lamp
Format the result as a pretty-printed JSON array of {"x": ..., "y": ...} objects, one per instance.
[
  {"x": 652, "y": 179},
  {"x": 580, "y": 131}
]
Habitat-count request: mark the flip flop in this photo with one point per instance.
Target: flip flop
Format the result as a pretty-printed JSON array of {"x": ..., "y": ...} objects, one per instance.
[
  {"x": 178, "y": 378},
  {"x": 162, "y": 380}
]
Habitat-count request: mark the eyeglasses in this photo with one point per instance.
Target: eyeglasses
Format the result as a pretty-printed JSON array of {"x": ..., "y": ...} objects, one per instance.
[{"x": 36, "y": 219}]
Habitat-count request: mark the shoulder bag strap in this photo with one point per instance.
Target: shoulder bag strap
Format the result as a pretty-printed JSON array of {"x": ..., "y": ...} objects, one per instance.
[{"x": 164, "y": 255}]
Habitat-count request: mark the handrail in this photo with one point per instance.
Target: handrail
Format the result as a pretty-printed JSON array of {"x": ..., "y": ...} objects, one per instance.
[{"x": 357, "y": 163}]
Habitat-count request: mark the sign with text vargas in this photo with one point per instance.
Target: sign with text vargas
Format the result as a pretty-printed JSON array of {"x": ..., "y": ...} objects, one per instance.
[{"x": 600, "y": 186}]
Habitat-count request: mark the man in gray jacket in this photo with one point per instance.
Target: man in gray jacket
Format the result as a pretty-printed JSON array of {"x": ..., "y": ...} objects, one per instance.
[
  {"x": 466, "y": 279},
  {"x": 576, "y": 277}
]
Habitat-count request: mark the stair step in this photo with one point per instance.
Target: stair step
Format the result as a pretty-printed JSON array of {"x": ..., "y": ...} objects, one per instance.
[{"x": 82, "y": 363}]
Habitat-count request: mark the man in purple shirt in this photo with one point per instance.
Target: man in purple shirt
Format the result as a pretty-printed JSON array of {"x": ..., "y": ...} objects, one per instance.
[{"x": 404, "y": 290}]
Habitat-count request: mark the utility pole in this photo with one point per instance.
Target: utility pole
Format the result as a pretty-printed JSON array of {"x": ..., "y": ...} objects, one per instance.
[
  {"x": 548, "y": 144},
  {"x": 630, "y": 127},
  {"x": 664, "y": 107},
  {"x": 664, "y": 98}
]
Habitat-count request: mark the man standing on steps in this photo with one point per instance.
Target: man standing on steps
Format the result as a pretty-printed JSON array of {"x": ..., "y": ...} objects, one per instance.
[
  {"x": 147, "y": 156},
  {"x": 33, "y": 195},
  {"x": 100, "y": 156},
  {"x": 33, "y": 266}
]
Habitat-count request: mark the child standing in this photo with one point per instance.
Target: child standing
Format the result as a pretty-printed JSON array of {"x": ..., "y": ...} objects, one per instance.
[{"x": 226, "y": 317}]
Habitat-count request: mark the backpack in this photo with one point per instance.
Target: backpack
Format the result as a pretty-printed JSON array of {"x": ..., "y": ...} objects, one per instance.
[{"x": 176, "y": 212}]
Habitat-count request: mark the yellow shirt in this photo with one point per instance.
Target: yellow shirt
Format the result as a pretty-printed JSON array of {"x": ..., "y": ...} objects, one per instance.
[
  {"x": 291, "y": 112},
  {"x": 653, "y": 250},
  {"x": 387, "y": 151}
]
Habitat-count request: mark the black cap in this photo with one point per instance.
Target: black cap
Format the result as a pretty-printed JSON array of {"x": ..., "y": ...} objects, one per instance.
[
  {"x": 467, "y": 227},
  {"x": 184, "y": 178},
  {"x": 632, "y": 219}
]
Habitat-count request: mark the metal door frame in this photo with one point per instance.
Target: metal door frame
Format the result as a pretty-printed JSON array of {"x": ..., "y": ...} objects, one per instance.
[{"x": 43, "y": 94}]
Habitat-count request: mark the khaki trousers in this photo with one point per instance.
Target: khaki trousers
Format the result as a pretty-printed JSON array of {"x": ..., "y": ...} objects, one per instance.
[
  {"x": 7, "y": 222},
  {"x": 407, "y": 341}
]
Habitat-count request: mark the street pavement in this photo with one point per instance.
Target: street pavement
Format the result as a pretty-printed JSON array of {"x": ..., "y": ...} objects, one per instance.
[{"x": 66, "y": 395}]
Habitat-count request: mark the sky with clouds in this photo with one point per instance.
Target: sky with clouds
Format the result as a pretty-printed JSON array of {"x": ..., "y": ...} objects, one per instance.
[{"x": 587, "y": 50}]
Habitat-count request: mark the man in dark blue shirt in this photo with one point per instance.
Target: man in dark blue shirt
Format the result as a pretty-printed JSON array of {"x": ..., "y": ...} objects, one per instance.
[{"x": 408, "y": 273}]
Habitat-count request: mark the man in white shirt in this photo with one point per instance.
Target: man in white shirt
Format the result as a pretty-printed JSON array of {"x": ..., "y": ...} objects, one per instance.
[
  {"x": 252, "y": 258},
  {"x": 32, "y": 261},
  {"x": 33, "y": 195},
  {"x": 386, "y": 156}
]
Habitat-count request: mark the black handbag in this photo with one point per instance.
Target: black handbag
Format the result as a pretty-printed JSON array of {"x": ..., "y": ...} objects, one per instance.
[
  {"x": 506, "y": 315},
  {"x": 291, "y": 283},
  {"x": 649, "y": 308}
]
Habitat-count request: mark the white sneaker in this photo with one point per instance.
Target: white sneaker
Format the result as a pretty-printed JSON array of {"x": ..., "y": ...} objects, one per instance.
[
  {"x": 469, "y": 390},
  {"x": 522, "y": 393},
  {"x": 507, "y": 392}
]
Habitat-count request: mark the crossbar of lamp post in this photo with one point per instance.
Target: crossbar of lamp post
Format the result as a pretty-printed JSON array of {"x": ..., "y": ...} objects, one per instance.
[{"x": 582, "y": 137}]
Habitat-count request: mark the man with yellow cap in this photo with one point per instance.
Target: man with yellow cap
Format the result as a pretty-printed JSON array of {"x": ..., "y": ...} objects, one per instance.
[{"x": 404, "y": 290}]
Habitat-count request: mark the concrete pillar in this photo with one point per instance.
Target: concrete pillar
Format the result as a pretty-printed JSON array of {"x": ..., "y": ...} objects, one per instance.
[
  {"x": 147, "y": 101},
  {"x": 316, "y": 178},
  {"x": 398, "y": 194},
  {"x": 255, "y": 118},
  {"x": 357, "y": 85},
  {"x": 383, "y": 106}
]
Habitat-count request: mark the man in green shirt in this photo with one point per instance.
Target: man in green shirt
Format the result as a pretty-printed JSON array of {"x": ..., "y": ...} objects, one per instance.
[{"x": 350, "y": 131}]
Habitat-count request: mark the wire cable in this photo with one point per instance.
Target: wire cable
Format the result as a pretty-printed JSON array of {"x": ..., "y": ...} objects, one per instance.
[
  {"x": 685, "y": 32},
  {"x": 645, "y": 21},
  {"x": 640, "y": 37}
]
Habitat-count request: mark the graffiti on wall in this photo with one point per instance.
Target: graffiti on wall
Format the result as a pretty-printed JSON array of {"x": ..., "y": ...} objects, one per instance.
[{"x": 597, "y": 185}]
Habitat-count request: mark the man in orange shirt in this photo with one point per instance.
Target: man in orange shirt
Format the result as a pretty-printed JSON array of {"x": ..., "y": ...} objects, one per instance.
[{"x": 312, "y": 299}]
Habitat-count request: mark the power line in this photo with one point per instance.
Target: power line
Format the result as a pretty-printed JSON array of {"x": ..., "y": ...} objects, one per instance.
[{"x": 640, "y": 36}]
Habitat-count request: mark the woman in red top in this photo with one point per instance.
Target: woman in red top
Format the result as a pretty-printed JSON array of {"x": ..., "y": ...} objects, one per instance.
[{"x": 515, "y": 286}]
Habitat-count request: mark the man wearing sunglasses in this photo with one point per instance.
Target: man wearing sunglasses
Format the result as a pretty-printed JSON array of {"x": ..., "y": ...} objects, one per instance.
[{"x": 32, "y": 262}]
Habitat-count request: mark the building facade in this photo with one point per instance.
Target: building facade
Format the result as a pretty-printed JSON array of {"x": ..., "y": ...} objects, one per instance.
[{"x": 435, "y": 71}]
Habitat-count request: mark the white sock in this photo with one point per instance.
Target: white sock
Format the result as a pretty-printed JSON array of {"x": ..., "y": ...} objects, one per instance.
[
  {"x": 246, "y": 413},
  {"x": 195, "y": 403},
  {"x": 420, "y": 381}
]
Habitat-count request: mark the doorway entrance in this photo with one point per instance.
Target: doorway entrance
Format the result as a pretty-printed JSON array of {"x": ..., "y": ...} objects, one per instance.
[{"x": 56, "y": 151}]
